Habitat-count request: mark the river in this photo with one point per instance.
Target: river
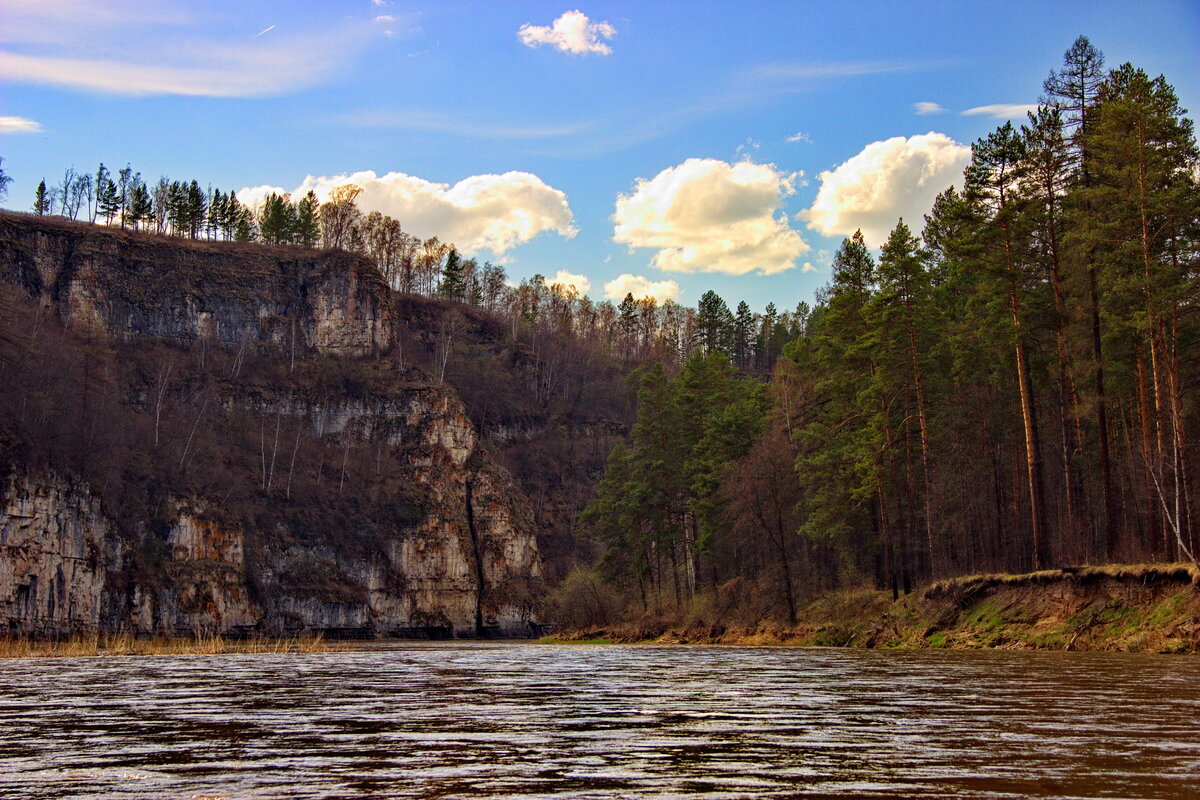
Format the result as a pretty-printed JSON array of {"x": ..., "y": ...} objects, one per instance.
[{"x": 473, "y": 720}]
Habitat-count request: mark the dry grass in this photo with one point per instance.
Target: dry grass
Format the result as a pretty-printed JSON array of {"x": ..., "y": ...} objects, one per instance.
[
  {"x": 1124, "y": 607},
  {"x": 125, "y": 644}
]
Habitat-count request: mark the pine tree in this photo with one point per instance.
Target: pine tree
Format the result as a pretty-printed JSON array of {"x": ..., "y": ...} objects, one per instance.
[
  {"x": 743, "y": 332},
  {"x": 276, "y": 220},
  {"x": 108, "y": 203},
  {"x": 903, "y": 321},
  {"x": 308, "y": 228},
  {"x": 196, "y": 208},
  {"x": 715, "y": 323},
  {"x": 1073, "y": 91},
  {"x": 141, "y": 207},
  {"x": 452, "y": 286},
  {"x": 1144, "y": 163},
  {"x": 41, "y": 203}
]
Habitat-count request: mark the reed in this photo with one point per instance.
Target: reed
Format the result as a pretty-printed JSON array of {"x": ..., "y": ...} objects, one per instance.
[{"x": 126, "y": 644}]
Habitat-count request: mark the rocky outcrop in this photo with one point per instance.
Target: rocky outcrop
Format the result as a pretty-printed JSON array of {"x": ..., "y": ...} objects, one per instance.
[
  {"x": 457, "y": 557},
  {"x": 126, "y": 285},
  {"x": 56, "y": 549}
]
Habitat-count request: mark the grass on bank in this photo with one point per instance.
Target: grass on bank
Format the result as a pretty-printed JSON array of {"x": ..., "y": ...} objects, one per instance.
[
  {"x": 124, "y": 644},
  {"x": 1152, "y": 608}
]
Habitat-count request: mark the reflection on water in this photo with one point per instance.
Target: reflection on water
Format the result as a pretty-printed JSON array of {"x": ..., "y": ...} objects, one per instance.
[{"x": 521, "y": 720}]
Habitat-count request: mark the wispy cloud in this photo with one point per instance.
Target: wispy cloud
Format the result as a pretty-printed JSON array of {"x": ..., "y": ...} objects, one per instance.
[
  {"x": 415, "y": 120},
  {"x": 157, "y": 48},
  {"x": 926, "y": 108},
  {"x": 1001, "y": 110},
  {"x": 19, "y": 125},
  {"x": 849, "y": 69},
  {"x": 800, "y": 136}
]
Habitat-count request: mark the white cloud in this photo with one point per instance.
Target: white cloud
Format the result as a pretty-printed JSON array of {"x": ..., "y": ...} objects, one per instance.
[
  {"x": 706, "y": 215},
  {"x": 573, "y": 32},
  {"x": 1001, "y": 110},
  {"x": 925, "y": 108},
  {"x": 385, "y": 18},
  {"x": 823, "y": 258},
  {"x": 19, "y": 125},
  {"x": 887, "y": 180},
  {"x": 640, "y": 287},
  {"x": 145, "y": 47},
  {"x": 492, "y": 212},
  {"x": 800, "y": 136},
  {"x": 570, "y": 280}
]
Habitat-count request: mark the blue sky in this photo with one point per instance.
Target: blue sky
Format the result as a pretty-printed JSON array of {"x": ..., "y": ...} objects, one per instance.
[{"x": 685, "y": 146}]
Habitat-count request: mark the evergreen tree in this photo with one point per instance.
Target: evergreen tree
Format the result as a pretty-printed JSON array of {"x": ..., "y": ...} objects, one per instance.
[
  {"x": 141, "y": 207},
  {"x": 308, "y": 228},
  {"x": 903, "y": 322},
  {"x": 108, "y": 203},
  {"x": 453, "y": 284},
  {"x": 743, "y": 332},
  {"x": 276, "y": 220},
  {"x": 196, "y": 208},
  {"x": 715, "y": 323},
  {"x": 41, "y": 203},
  {"x": 1144, "y": 162}
]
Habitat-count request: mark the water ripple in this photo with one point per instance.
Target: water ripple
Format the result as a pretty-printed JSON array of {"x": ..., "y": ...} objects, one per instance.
[{"x": 530, "y": 721}]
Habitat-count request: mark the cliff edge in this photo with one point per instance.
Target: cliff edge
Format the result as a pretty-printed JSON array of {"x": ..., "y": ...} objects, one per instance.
[{"x": 202, "y": 437}]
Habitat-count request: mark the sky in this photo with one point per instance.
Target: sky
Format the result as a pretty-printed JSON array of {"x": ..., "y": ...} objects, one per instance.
[{"x": 662, "y": 148}]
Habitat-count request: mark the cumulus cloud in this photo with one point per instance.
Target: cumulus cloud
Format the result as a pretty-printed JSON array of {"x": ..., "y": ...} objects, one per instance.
[
  {"x": 706, "y": 215},
  {"x": 573, "y": 32},
  {"x": 482, "y": 212},
  {"x": 1001, "y": 110},
  {"x": 640, "y": 287},
  {"x": 19, "y": 125},
  {"x": 926, "y": 108},
  {"x": 570, "y": 280},
  {"x": 887, "y": 180}
]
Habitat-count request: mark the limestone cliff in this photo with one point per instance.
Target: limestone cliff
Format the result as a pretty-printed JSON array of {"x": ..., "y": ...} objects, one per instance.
[
  {"x": 128, "y": 285},
  {"x": 232, "y": 445}
]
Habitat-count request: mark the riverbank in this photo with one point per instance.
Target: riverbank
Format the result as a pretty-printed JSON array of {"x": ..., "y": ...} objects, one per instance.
[
  {"x": 127, "y": 645},
  {"x": 1128, "y": 608}
]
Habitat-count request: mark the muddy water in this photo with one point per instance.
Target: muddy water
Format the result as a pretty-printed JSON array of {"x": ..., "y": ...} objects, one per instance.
[{"x": 521, "y": 720}]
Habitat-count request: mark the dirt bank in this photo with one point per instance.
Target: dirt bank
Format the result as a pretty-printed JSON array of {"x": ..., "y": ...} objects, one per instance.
[{"x": 1131, "y": 608}]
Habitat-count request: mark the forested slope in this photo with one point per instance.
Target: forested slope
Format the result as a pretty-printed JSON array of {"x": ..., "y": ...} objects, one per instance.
[{"x": 1011, "y": 390}]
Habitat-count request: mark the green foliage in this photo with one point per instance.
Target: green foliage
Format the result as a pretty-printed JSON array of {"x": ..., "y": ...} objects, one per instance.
[
  {"x": 41, "y": 203},
  {"x": 656, "y": 507},
  {"x": 453, "y": 286}
]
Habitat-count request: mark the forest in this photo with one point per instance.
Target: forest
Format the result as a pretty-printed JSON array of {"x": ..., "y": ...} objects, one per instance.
[
  {"x": 1010, "y": 385},
  {"x": 1013, "y": 389}
]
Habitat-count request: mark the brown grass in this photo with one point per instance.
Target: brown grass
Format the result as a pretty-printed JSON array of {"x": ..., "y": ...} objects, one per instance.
[
  {"x": 1122, "y": 607},
  {"x": 125, "y": 644}
]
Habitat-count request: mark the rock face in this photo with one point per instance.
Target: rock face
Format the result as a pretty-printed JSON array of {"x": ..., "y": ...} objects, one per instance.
[
  {"x": 462, "y": 562},
  {"x": 127, "y": 286}
]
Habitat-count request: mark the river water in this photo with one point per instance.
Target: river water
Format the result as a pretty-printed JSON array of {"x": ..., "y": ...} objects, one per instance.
[{"x": 524, "y": 720}]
